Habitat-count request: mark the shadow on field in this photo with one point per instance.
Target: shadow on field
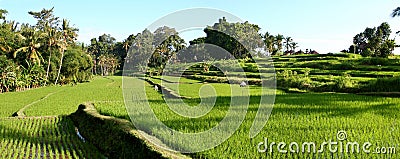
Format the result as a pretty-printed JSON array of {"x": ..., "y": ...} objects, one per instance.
[{"x": 53, "y": 135}]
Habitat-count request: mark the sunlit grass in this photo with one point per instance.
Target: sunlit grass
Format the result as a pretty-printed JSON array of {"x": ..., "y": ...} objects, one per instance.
[{"x": 299, "y": 118}]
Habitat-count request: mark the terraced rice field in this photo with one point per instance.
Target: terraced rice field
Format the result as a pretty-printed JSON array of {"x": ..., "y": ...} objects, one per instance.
[{"x": 42, "y": 137}]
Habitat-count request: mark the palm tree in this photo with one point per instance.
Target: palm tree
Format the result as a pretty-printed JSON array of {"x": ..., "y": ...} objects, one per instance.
[
  {"x": 32, "y": 47},
  {"x": 9, "y": 35},
  {"x": 278, "y": 41},
  {"x": 269, "y": 42},
  {"x": 108, "y": 64},
  {"x": 287, "y": 41},
  {"x": 293, "y": 46},
  {"x": 396, "y": 12},
  {"x": 3, "y": 13},
  {"x": 101, "y": 63},
  {"x": 52, "y": 41},
  {"x": 68, "y": 35},
  {"x": 126, "y": 45},
  {"x": 93, "y": 49}
]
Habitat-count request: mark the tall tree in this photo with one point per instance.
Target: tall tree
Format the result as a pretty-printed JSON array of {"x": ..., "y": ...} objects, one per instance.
[
  {"x": 48, "y": 23},
  {"x": 167, "y": 43},
  {"x": 68, "y": 36},
  {"x": 374, "y": 41},
  {"x": 293, "y": 46},
  {"x": 278, "y": 41},
  {"x": 31, "y": 46},
  {"x": 287, "y": 41},
  {"x": 269, "y": 41},
  {"x": 3, "y": 14},
  {"x": 396, "y": 12},
  {"x": 142, "y": 48},
  {"x": 237, "y": 38},
  {"x": 45, "y": 18}
]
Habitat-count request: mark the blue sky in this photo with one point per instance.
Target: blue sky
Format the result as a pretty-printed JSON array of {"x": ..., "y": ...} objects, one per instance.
[{"x": 326, "y": 26}]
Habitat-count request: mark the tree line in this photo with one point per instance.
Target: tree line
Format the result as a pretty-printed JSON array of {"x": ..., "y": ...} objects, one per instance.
[
  {"x": 47, "y": 53},
  {"x": 374, "y": 42},
  {"x": 37, "y": 55},
  {"x": 242, "y": 40}
]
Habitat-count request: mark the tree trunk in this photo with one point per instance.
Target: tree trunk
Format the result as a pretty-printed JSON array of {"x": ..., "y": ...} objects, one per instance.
[
  {"x": 59, "y": 68},
  {"x": 95, "y": 67},
  {"x": 48, "y": 69},
  {"x": 102, "y": 70}
]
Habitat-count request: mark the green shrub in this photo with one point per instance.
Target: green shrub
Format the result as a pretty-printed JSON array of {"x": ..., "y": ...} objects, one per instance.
[
  {"x": 367, "y": 52},
  {"x": 290, "y": 79},
  {"x": 344, "y": 82},
  {"x": 250, "y": 67}
]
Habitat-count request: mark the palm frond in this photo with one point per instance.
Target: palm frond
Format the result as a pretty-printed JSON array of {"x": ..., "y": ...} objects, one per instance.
[
  {"x": 396, "y": 12},
  {"x": 22, "y": 49}
]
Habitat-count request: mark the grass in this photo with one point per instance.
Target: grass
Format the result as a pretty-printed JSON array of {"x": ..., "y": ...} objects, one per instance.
[
  {"x": 47, "y": 137},
  {"x": 295, "y": 118},
  {"x": 65, "y": 102},
  {"x": 62, "y": 100},
  {"x": 14, "y": 101},
  {"x": 53, "y": 136}
]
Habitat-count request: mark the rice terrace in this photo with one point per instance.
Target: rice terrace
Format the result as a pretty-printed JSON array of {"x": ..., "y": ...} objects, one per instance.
[{"x": 234, "y": 90}]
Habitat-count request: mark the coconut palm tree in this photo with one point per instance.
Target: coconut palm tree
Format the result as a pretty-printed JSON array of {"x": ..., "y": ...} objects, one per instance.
[
  {"x": 3, "y": 13},
  {"x": 278, "y": 41},
  {"x": 396, "y": 12},
  {"x": 293, "y": 46},
  {"x": 68, "y": 36},
  {"x": 287, "y": 41},
  {"x": 126, "y": 45},
  {"x": 32, "y": 47},
  {"x": 52, "y": 42},
  {"x": 9, "y": 36},
  {"x": 269, "y": 42}
]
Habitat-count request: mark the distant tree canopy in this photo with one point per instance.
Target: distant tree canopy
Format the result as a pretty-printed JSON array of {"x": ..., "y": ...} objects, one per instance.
[
  {"x": 155, "y": 49},
  {"x": 374, "y": 42},
  {"x": 237, "y": 38},
  {"x": 107, "y": 54},
  {"x": 241, "y": 40}
]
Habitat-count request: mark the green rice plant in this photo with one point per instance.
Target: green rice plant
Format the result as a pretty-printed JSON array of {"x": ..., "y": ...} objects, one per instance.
[
  {"x": 295, "y": 117},
  {"x": 21, "y": 138}
]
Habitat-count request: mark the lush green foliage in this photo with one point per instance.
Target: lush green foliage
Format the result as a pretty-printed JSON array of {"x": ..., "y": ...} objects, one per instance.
[
  {"x": 32, "y": 55},
  {"x": 154, "y": 49},
  {"x": 295, "y": 117},
  {"x": 319, "y": 73},
  {"x": 374, "y": 42}
]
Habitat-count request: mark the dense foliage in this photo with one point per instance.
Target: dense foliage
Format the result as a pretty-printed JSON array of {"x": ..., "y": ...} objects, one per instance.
[
  {"x": 374, "y": 42},
  {"x": 35, "y": 55}
]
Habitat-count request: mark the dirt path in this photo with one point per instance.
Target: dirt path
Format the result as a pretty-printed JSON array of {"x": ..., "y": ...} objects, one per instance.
[{"x": 20, "y": 113}]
